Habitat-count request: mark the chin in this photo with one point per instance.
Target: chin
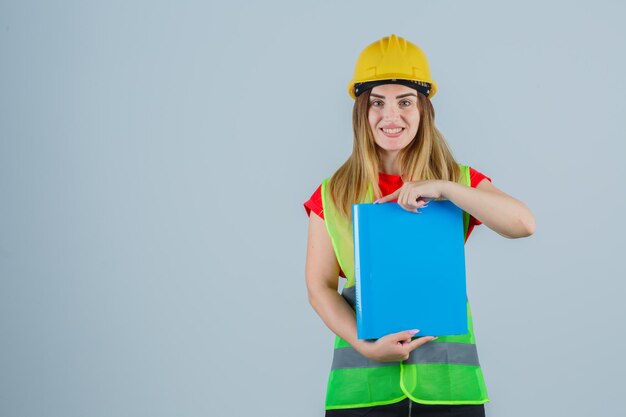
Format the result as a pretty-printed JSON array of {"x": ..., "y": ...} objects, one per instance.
[{"x": 390, "y": 147}]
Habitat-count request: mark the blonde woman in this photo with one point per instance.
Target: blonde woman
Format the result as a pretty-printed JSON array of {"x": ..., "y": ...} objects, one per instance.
[{"x": 398, "y": 156}]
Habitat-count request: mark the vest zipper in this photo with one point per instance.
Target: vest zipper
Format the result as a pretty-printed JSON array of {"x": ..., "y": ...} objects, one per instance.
[{"x": 410, "y": 404}]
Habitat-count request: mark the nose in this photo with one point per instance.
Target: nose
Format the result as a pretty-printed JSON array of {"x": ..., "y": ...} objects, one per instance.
[{"x": 390, "y": 112}]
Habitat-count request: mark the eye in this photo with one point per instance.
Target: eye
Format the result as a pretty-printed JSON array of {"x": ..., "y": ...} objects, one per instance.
[
  {"x": 406, "y": 103},
  {"x": 376, "y": 103}
]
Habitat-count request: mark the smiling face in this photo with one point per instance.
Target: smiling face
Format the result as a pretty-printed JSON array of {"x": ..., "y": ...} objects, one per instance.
[{"x": 393, "y": 116}]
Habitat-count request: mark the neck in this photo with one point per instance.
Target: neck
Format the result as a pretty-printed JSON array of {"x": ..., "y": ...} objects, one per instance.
[{"x": 389, "y": 163}]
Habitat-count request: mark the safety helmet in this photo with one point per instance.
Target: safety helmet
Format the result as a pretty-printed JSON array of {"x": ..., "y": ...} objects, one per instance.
[{"x": 392, "y": 60}]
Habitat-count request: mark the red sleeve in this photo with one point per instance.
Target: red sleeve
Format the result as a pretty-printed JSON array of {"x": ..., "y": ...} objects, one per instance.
[
  {"x": 475, "y": 178},
  {"x": 315, "y": 203}
]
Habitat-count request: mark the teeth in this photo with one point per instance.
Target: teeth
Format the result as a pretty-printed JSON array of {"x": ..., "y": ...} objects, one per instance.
[{"x": 396, "y": 130}]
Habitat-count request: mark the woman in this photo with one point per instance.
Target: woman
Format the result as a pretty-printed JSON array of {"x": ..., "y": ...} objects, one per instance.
[{"x": 398, "y": 155}]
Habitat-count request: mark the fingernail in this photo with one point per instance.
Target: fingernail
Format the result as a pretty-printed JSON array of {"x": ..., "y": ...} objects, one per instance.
[
  {"x": 376, "y": 202},
  {"x": 436, "y": 337},
  {"x": 414, "y": 331}
]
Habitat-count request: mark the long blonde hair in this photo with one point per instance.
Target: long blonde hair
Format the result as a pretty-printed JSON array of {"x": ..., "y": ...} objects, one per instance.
[{"x": 426, "y": 157}]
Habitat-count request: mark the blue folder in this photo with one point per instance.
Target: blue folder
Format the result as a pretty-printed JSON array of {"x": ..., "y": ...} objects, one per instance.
[{"x": 409, "y": 269}]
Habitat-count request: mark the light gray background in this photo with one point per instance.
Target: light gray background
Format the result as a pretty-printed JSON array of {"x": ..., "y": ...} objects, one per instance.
[{"x": 154, "y": 158}]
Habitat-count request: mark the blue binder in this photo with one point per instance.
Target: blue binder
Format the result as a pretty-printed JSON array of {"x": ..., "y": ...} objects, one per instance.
[{"x": 409, "y": 269}]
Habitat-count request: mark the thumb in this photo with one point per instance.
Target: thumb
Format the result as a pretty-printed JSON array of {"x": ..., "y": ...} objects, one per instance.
[
  {"x": 388, "y": 197},
  {"x": 404, "y": 335},
  {"x": 414, "y": 344}
]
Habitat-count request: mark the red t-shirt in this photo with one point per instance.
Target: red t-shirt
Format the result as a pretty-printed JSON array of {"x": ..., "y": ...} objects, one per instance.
[{"x": 389, "y": 183}]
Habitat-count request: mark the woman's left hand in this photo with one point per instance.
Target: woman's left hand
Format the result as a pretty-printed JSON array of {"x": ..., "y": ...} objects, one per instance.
[{"x": 414, "y": 195}]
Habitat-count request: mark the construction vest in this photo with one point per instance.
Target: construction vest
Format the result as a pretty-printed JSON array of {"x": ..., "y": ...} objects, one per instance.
[{"x": 443, "y": 371}]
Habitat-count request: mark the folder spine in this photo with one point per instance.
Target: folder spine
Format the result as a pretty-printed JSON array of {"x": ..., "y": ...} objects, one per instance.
[{"x": 357, "y": 267}]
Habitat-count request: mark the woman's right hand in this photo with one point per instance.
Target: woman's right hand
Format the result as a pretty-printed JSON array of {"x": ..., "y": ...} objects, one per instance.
[{"x": 392, "y": 347}]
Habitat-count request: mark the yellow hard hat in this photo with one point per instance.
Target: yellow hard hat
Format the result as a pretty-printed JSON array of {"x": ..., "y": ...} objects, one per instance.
[{"x": 393, "y": 60}]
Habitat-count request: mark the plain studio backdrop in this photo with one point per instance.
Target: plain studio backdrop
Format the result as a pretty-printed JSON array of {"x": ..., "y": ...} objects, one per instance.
[{"x": 155, "y": 156}]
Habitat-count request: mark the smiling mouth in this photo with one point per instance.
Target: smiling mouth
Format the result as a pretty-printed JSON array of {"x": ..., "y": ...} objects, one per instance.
[{"x": 392, "y": 133}]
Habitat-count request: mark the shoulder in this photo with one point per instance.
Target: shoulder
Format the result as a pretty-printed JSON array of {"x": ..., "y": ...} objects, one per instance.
[
  {"x": 477, "y": 176},
  {"x": 315, "y": 202}
]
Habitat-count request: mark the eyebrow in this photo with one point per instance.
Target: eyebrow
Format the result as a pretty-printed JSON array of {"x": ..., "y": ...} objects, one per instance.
[{"x": 400, "y": 96}]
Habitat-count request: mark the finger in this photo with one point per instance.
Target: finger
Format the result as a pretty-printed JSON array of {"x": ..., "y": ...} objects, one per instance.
[
  {"x": 421, "y": 204},
  {"x": 402, "y": 197},
  {"x": 409, "y": 201},
  {"x": 404, "y": 335},
  {"x": 405, "y": 339},
  {"x": 388, "y": 197},
  {"x": 404, "y": 342},
  {"x": 414, "y": 344},
  {"x": 423, "y": 200},
  {"x": 416, "y": 202},
  {"x": 409, "y": 208}
]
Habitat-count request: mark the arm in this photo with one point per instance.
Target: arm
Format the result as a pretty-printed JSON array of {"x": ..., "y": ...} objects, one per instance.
[
  {"x": 322, "y": 272},
  {"x": 502, "y": 213}
]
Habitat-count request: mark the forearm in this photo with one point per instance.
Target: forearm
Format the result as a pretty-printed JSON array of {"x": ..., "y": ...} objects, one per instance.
[
  {"x": 336, "y": 313},
  {"x": 498, "y": 211}
]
